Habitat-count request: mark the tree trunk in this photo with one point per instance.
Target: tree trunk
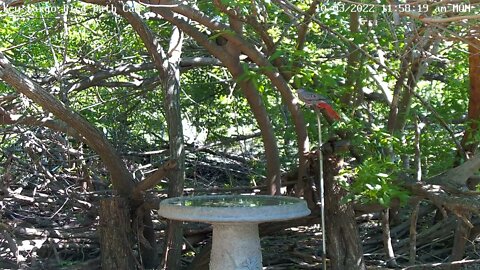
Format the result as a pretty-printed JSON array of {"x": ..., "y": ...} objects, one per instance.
[
  {"x": 115, "y": 235},
  {"x": 174, "y": 239},
  {"x": 469, "y": 142},
  {"x": 343, "y": 241},
  {"x": 259, "y": 111},
  {"x": 169, "y": 72},
  {"x": 121, "y": 178},
  {"x": 412, "y": 69}
]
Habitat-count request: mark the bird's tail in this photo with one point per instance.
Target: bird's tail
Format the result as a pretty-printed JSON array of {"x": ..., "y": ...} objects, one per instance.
[{"x": 328, "y": 110}]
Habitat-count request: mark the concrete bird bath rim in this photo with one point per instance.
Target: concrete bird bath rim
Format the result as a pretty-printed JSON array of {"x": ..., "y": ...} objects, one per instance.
[
  {"x": 233, "y": 208},
  {"x": 235, "y": 219}
]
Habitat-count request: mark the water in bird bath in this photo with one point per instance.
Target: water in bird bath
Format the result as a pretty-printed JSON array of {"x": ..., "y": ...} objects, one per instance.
[{"x": 233, "y": 201}]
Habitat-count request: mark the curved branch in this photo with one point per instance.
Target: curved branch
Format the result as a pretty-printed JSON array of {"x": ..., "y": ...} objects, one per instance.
[
  {"x": 256, "y": 105},
  {"x": 122, "y": 180},
  {"x": 265, "y": 66},
  {"x": 105, "y": 74}
]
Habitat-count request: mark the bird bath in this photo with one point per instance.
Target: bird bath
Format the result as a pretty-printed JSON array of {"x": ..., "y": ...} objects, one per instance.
[{"x": 235, "y": 219}]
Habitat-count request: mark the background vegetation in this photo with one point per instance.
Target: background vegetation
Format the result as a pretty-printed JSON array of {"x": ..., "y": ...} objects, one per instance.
[{"x": 95, "y": 96}]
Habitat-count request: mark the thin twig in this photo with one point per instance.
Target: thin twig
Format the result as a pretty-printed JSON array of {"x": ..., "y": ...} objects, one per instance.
[
  {"x": 322, "y": 190},
  {"x": 60, "y": 209},
  {"x": 413, "y": 233}
]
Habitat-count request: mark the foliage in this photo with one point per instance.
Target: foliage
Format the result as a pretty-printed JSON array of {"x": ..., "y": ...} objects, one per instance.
[
  {"x": 93, "y": 60},
  {"x": 374, "y": 181},
  {"x": 59, "y": 51}
]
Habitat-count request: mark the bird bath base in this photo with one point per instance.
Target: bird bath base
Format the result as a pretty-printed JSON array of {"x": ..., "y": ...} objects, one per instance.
[
  {"x": 235, "y": 246},
  {"x": 235, "y": 219}
]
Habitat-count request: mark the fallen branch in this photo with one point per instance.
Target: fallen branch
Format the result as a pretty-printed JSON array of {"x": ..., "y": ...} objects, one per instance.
[
  {"x": 458, "y": 176},
  {"x": 453, "y": 202}
]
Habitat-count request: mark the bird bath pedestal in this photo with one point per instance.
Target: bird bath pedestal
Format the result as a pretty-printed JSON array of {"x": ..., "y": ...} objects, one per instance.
[{"x": 235, "y": 219}]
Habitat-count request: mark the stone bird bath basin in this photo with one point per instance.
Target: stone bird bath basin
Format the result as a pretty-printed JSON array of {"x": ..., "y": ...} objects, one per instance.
[{"x": 235, "y": 219}]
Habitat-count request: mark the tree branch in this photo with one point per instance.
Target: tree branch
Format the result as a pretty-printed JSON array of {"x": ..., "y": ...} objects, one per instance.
[
  {"x": 247, "y": 48},
  {"x": 7, "y": 118},
  {"x": 433, "y": 20},
  {"x": 122, "y": 180},
  {"x": 153, "y": 179},
  {"x": 458, "y": 176}
]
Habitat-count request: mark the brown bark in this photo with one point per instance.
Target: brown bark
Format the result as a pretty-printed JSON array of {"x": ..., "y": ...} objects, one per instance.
[
  {"x": 153, "y": 179},
  {"x": 171, "y": 87},
  {"x": 259, "y": 111},
  {"x": 121, "y": 178},
  {"x": 412, "y": 68},
  {"x": 413, "y": 233},
  {"x": 343, "y": 241},
  {"x": 387, "y": 239},
  {"x": 469, "y": 142},
  {"x": 395, "y": 104},
  {"x": 115, "y": 235},
  {"x": 7, "y": 118},
  {"x": 444, "y": 200},
  {"x": 270, "y": 143}
]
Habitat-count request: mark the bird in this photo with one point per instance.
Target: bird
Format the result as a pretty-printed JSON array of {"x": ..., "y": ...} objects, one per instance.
[{"x": 318, "y": 101}]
